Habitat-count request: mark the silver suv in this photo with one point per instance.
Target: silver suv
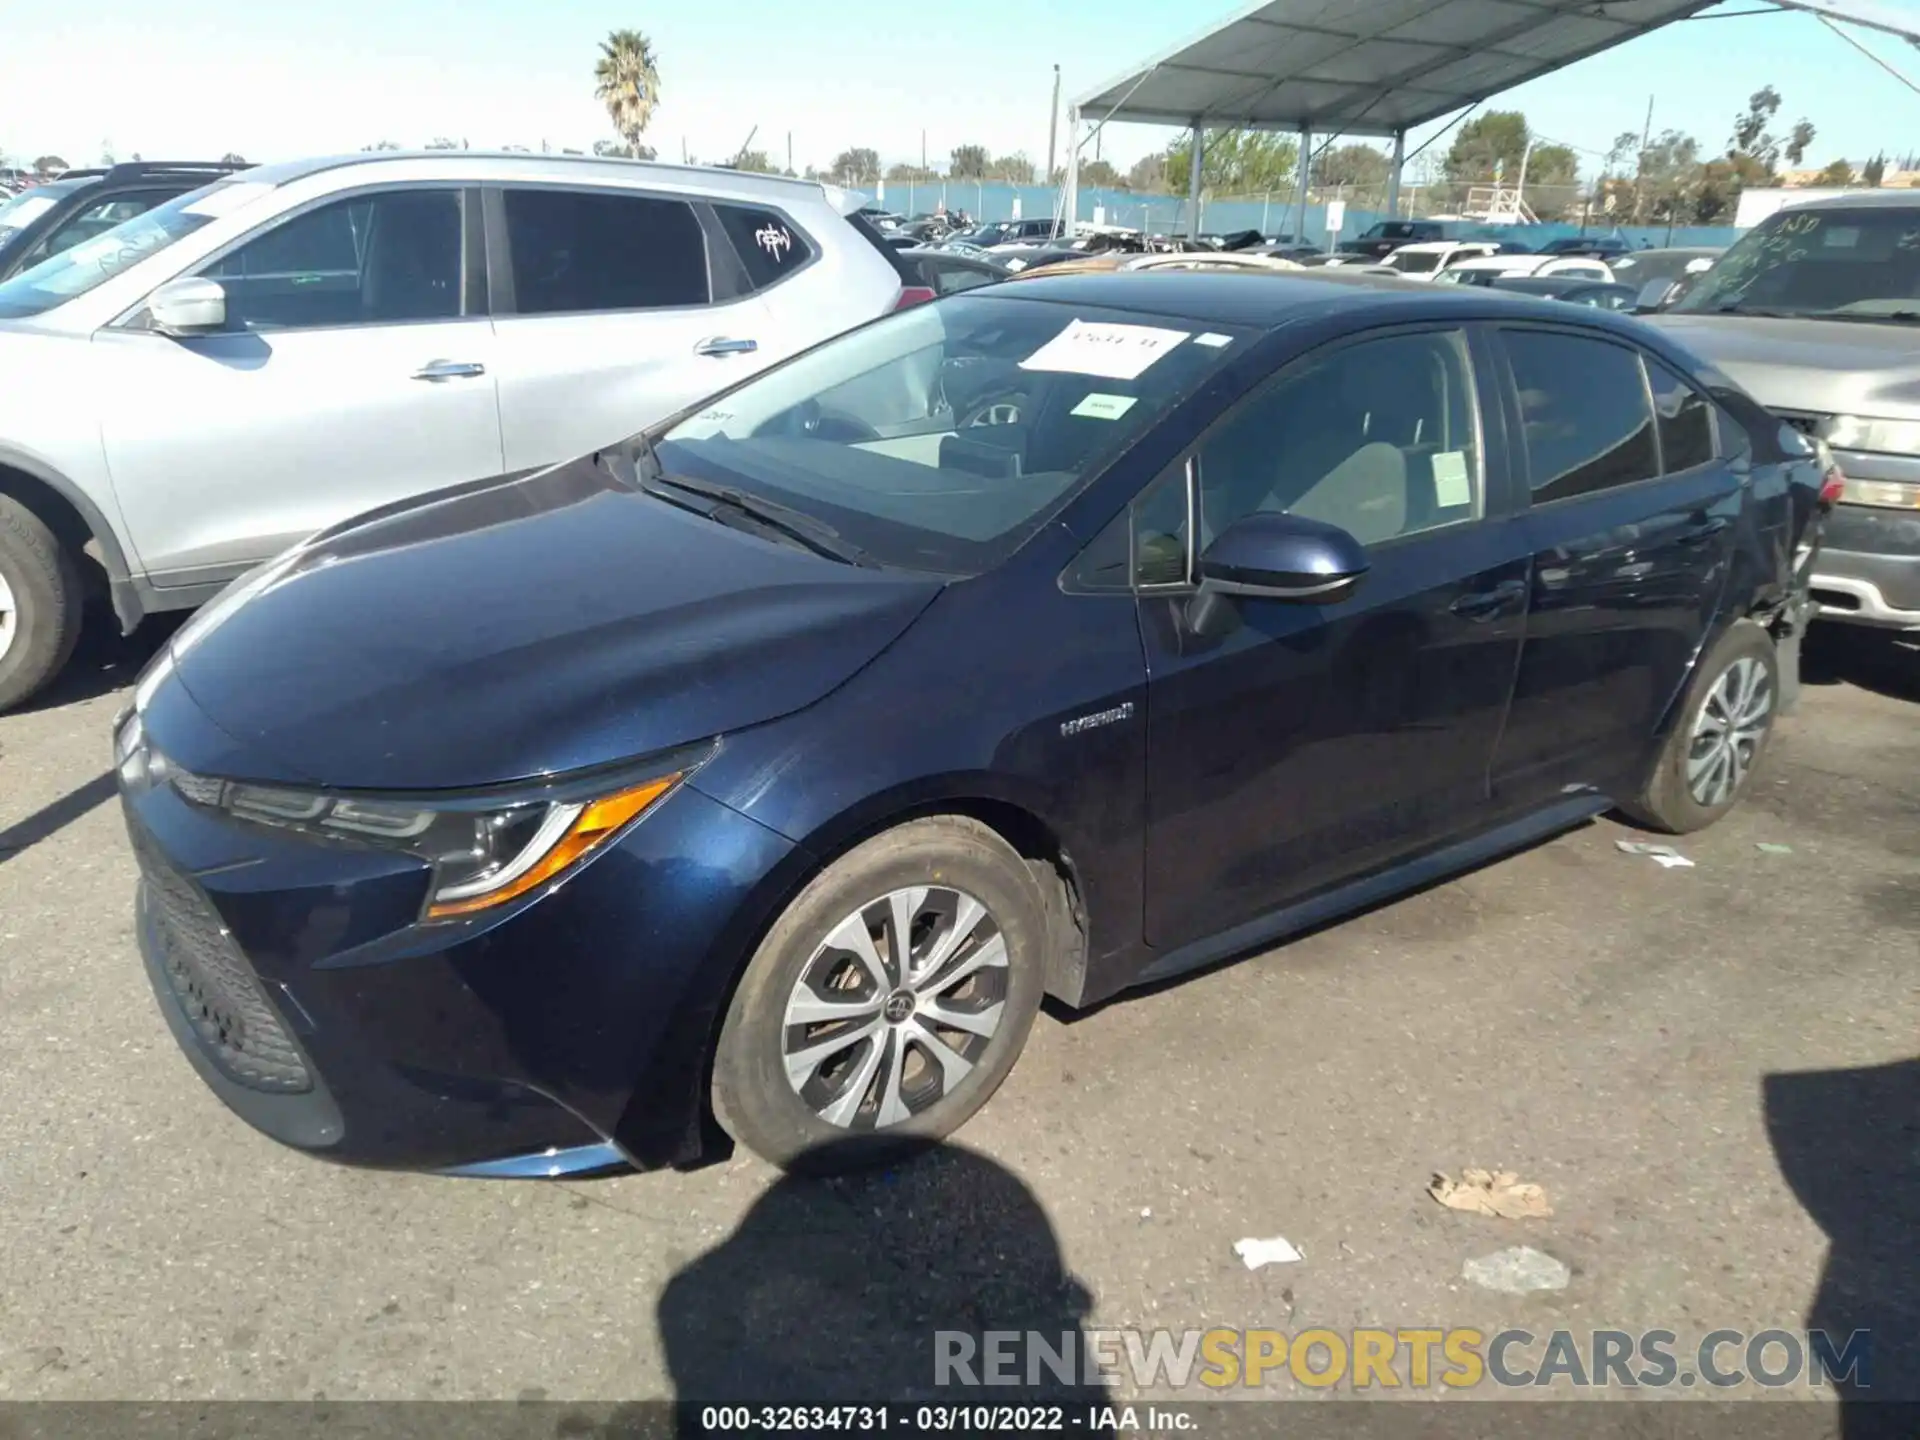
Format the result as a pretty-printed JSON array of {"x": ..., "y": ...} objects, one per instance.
[
  {"x": 1816, "y": 312},
  {"x": 193, "y": 391}
]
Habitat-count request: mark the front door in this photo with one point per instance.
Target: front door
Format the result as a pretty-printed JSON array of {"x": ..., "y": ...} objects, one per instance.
[
  {"x": 1632, "y": 519},
  {"x": 353, "y": 372},
  {"x": 1302, "y": 744}
]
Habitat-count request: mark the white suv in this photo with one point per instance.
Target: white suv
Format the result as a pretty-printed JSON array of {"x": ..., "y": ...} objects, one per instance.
[{"x": 193, "y": 391}]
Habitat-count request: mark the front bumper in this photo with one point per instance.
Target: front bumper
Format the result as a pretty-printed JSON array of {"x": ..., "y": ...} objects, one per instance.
[
  {"x": 567, "y": 1034},
  {"x": 1868, "y": 572}
]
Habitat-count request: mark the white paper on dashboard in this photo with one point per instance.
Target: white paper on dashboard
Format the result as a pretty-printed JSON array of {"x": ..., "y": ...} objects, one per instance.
[
  {"x": 1450, "y": 484},
  {"x": 1112, "y": 352}
]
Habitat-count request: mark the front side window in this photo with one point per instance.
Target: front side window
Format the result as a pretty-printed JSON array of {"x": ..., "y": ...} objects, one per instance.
[
  {"x": 384, "y": 258},
  {"x": 584, "y": 250},
  {"x": 1583, "y": 407},
  {"x": 941, "y": 437},
  {"x": 771, "y": 246},
  {"x": 1844, "y": 263},
  {"x": 1378, "y": 437}
]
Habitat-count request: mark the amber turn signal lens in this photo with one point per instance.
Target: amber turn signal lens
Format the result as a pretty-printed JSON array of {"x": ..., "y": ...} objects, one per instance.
[{"x": 594, "y": 824}]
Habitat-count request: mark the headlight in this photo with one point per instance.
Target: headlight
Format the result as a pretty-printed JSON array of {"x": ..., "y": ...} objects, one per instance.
[
  {"x": 1885, "y": 437},
  {"x": 484, "y": 851}
]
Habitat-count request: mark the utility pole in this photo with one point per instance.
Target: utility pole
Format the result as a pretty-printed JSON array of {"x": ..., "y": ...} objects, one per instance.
[
  {"x": 923, "y": 148},
  {"x": 1640, "y": 170},
  {"x": 1053, "y": 124},
  {"x": 790, "y": 169}
]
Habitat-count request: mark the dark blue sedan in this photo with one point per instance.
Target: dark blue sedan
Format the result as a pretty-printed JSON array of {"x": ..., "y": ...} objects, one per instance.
[{"x": 758, "y": 776}]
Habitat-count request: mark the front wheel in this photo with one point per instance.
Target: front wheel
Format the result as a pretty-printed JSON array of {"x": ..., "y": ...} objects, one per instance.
[
  {"x": 40, "y": 599},
  {"x": 887, "y": 1003},
  {"x": 1709, "y": 759}
]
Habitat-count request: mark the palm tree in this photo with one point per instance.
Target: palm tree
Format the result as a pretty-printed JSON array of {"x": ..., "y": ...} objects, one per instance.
[{"x": 627, "y": 82}]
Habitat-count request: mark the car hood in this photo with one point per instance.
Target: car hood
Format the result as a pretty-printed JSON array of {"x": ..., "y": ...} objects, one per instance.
[
  {"x": 1829, "y": 367},
  {"x": 520, "y": 628}
]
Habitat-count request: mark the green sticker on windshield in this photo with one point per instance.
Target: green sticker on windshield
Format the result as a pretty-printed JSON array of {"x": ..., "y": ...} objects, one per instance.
[{"x": 1105, "y": 407}]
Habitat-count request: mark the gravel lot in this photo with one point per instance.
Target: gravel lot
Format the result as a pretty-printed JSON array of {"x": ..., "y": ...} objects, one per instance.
[{"x": 1638, "y": 1040}]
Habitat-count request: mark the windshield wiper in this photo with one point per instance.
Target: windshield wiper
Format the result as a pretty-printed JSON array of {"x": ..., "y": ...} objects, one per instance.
[
  {"x": 1902, "y": 315},
  {"x": 1734, "y": 307},
  {"x": 816, "y": 535}
]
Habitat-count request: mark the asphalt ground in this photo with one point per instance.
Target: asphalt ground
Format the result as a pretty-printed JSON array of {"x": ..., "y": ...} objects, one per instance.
[{"x": 1710, "y": 1070}]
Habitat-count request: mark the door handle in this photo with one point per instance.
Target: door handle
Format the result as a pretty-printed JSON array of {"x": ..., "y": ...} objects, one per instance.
[
  {"x": 1700, "y": 534},
  {"x": 449, "y": 370},
  {"x": 721, "y": 345},
  {"x": 1485, "y": 604}
]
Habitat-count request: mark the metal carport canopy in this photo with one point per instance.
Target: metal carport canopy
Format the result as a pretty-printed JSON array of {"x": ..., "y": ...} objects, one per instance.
[{"x": 1368, "y": 67}]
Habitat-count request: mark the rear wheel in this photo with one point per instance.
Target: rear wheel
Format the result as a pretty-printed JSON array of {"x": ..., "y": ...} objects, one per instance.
[
  {"x": 40, "y": 603},
  {"x": 887, "y": 1003},
  {"x": 1709, "y": 759}
]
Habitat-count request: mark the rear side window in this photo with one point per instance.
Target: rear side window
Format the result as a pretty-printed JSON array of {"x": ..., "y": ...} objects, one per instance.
[
  {"x": 1583, "y": 406},
  {"x": 1685, "y": 417},
  {"x": 771, "y": 246},
  {"x": 577, "y": 250}
]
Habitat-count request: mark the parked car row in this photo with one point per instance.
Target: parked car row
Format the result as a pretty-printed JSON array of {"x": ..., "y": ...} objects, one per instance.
[{"x": 584, "y": 762}]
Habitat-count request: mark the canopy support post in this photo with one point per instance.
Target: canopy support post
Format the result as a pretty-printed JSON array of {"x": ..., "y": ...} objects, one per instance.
[
  {"x": 1198, "y": 153},
  {"x": 1306, "y": 167},
  {"x": 1393, "y": 175}
]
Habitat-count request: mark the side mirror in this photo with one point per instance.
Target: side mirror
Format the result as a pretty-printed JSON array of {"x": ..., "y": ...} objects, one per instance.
[
  {"x": 190, "y": 306},
  {"x": 1284, "y": 557}
]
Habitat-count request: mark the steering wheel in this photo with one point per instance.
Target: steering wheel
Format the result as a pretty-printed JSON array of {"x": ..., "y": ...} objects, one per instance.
[{"x": 815, "y": 422}]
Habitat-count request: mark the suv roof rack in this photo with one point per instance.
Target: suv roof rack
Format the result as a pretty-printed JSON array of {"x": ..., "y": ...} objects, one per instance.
[{"x": 138, "y": 169}]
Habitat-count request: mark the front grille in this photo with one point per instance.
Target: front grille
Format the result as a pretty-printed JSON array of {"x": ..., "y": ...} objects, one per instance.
[{"x": 215, "y": 986}]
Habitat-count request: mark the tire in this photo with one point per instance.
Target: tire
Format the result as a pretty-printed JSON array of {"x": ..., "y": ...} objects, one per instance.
[
  {"x": 40, "y": 603},
  {"x": 1744, "y": 656},
  {"x": 811, "y": 1095}
]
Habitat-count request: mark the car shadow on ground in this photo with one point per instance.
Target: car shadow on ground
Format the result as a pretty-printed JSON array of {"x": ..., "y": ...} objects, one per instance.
[
  {"x": 1884, "y": 661},
  {"x": 849, "y": 1291},
  {"x": 1848, "y": 1144}
]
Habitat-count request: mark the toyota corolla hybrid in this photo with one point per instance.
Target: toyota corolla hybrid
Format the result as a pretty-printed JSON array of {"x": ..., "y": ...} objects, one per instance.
[{"x": 760, "y": 775}]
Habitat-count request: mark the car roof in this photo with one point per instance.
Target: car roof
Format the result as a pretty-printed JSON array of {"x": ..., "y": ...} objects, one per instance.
[
  {"x": 1860, "y": 200},
  {"x": 481, "y": 165},
  {"x": 1266, "y": 300}
]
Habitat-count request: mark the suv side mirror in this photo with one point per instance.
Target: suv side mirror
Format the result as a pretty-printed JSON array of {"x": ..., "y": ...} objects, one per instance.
[
  {"x": 188, "y": 306},
  {"x": 1284, "y": 557}
]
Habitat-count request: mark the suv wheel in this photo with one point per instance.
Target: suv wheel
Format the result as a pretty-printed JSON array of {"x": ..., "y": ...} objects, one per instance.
[
  {"x": 40, "y": 601},
  {"x": 887, "y": 1003}
]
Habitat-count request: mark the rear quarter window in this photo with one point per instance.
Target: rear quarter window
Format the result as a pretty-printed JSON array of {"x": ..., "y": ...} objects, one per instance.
[{"x": 770, "y": 245}]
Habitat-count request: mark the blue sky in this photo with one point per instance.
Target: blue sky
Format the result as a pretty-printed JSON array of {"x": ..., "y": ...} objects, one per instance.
[{"x": 193, "y": 78}]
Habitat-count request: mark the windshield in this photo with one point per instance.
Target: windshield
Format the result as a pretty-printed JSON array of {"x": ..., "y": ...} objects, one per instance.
[
  {"x": 25, "y": 208},
  {"x": 941, "y": 437},
  {"x": 94, "y": 262},
  {"x": 1856, "y": 262},
  {"x": 1392, "y": 230},
  {"x": 1414, "y": 261}
]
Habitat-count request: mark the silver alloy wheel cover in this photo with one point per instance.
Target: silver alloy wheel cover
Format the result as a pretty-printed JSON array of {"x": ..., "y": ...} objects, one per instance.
[
  {"x": 847, "y": 1058},
  {"x": 9, "y": 617},
  {"x": 1728, "y": 731}
]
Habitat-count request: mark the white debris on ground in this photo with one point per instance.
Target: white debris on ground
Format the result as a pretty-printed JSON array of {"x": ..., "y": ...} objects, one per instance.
[
  {"x": 1517, "y": 1271},
  {"x": 1499, "y": 1193},
  {"x": 1276, "y": 1250},
  {"x": 1665, "y": 856}
]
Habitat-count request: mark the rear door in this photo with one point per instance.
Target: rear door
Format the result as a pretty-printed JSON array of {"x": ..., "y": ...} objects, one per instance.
[
  {"x": 613, "y": 308},
  {"x": 1632, "y": 517},
  {"x": 1307, "y": 743},
  {"x": 355, "y": 370}
]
